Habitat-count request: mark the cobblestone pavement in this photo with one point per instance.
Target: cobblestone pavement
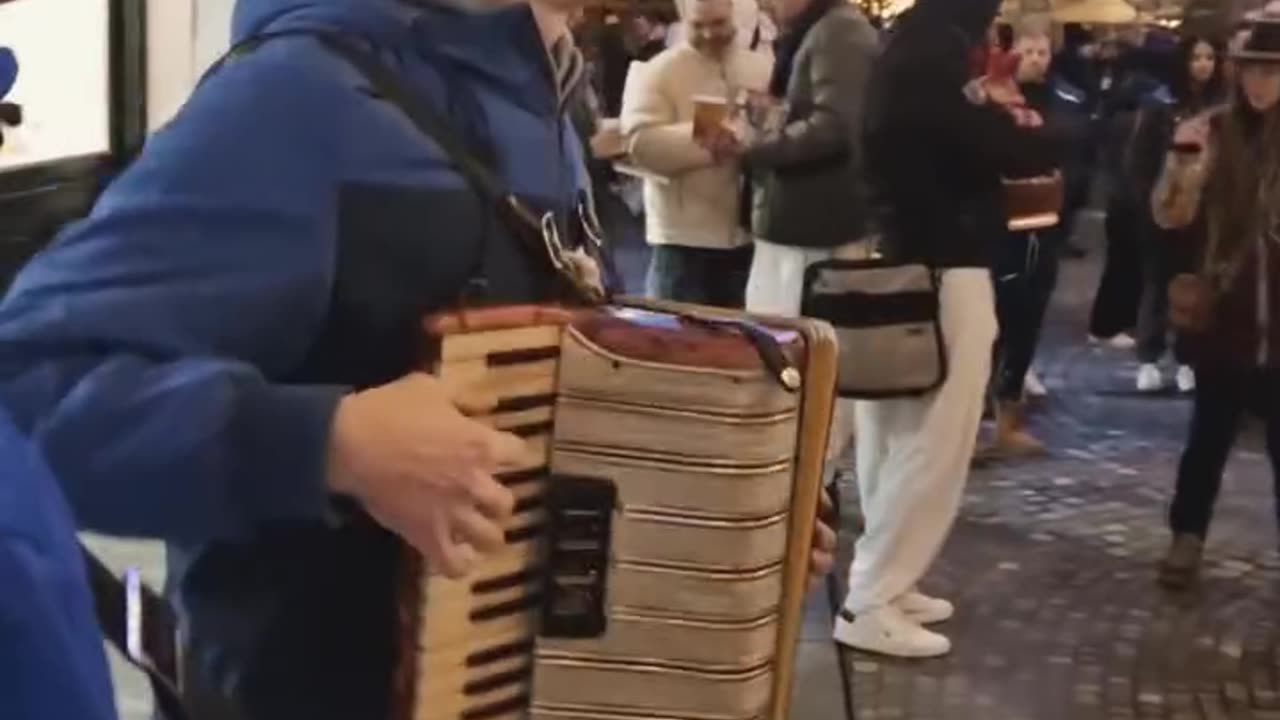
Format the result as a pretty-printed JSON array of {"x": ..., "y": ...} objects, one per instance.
[{"x": 1051, "y": 566}]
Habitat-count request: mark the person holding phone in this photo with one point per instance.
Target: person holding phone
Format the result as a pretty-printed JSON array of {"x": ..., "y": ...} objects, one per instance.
[
  {"x": 1197, "y": 85},
  {"x": 1221, "y": 185}
]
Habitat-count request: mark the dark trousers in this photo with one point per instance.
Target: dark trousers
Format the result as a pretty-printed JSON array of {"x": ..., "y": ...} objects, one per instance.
[
  {"x": 700, "y": 275},
  {"x": 1026, "y": 274},
  {"x": 1115, "y": 307},
  {"x": 1222, "y": 398},
  {"x": 1164, "y": 255}
]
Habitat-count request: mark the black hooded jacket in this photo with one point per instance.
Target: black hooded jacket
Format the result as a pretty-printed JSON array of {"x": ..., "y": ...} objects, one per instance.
[{"x": 934, "y": 158}]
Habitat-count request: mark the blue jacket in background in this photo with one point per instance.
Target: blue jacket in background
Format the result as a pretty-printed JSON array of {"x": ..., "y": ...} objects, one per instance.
[
  {"x": 8, "y": 71},
  {"x": 52, "y": 664},
  {"x": 178, "y": 355}
]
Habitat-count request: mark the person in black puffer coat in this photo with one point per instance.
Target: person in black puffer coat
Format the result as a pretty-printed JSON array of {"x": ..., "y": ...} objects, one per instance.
[{"x": 938, "y": 138}]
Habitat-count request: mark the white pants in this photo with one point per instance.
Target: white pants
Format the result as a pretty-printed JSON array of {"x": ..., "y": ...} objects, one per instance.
[
  {"x": 914, "y": 454},
  {"x": 776, "y": 287}
]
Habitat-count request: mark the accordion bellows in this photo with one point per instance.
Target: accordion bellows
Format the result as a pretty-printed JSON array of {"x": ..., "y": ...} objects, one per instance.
[{"x": 715, "y": 466}]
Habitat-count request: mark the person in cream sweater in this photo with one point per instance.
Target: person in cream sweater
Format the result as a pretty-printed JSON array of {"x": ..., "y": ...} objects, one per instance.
[{"x": 693, "y": 196}]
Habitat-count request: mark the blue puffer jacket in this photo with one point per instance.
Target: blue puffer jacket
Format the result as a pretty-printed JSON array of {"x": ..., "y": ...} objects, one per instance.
[
  {"x": 51, "y": 659},
  {"x": 178, "y": 356}
]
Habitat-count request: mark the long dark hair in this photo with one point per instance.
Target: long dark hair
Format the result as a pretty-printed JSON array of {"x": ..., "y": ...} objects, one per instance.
[
  {"x": 1246, "y": 172},
  {"x": 1190, "y": 98},
  {"x": 972, "y": 17}
]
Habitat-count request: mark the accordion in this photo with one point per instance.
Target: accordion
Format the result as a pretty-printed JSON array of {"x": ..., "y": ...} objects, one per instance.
[{"x": 657, "y": 562}]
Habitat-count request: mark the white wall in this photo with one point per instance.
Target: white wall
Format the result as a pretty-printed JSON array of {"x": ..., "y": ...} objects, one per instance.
[{"x": 183, "y": 38}]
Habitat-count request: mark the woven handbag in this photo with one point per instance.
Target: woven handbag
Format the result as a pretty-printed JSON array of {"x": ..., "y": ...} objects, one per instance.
[{"x": 886, "y": 316}]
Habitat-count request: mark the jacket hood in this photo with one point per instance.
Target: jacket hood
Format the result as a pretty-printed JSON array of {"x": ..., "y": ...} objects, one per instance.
[
  {"x": 502, "y": 47},
  {"x": 360, "y": 16},
  {"x": 973, "y": 17}
]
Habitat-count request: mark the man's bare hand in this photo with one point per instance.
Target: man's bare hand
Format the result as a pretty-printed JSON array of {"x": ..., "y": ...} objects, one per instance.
[
  {"x": 423, "y": 470},
  {"x": 723, "y": 145}
]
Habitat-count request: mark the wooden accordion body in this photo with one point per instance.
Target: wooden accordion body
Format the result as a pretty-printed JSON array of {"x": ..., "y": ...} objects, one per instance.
[{"x": 657, "y": 563}]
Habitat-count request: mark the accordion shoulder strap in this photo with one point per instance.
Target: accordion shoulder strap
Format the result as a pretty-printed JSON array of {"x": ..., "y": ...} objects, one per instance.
[
  {"x": 539, "y": 234},
  {"x": 140, "y": 625}
]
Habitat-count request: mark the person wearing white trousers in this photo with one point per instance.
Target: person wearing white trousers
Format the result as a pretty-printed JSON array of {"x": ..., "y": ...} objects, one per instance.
[
  {"x": 938, "y": 143},
  {"x": 913, "y": 458}
]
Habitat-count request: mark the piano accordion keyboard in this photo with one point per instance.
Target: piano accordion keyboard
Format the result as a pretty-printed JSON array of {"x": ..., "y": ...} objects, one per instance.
[{"x": 476, "y": 636}]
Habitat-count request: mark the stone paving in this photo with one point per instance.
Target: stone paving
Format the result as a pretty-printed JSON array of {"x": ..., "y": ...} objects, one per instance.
[{"x": 1052, "y": 568}]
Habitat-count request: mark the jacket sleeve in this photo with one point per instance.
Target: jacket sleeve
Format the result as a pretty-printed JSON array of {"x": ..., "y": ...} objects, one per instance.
[
  {"x": 932, "y": 101},
  {"x": 657, "y": 141},
  {"x": 137, "y": 349},
  {"x": 1175, "y": 201},
  {"x": 844, "y": 50}
]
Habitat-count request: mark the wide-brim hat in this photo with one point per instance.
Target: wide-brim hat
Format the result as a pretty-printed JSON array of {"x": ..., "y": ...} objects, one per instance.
[{"x": 1262, "y": 44}]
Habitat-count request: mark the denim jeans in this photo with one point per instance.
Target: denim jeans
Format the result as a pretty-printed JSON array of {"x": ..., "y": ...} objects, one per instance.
[
  {"x": 701, "y": 276},
  {"x": 1222, "y": 399}
]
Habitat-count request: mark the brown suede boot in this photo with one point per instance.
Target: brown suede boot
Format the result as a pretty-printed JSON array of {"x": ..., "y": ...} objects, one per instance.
[
  {"x": 1181, "y": 566},
  {"x": 1011, "y": 437}
]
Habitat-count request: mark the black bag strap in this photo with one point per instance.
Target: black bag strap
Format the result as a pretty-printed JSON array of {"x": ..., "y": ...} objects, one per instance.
[
  {"x": 539, "y": 234},
  {"x": 140, "y": 624}
]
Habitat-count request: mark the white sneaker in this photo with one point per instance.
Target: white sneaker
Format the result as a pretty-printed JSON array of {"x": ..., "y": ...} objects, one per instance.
[
  {"x": 1123, "y": 341},
  {"x": 887, "y": 631},
  {"x": 924, "y": 609},
  {"x": 1149, "y": 378},
  {"x": 1033, "y": 387},
  {"x": 1186, "y": 379}
]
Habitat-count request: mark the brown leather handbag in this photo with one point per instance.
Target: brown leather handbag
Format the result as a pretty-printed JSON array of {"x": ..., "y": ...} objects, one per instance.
[
  {"x": 1193, "y": 297},
  {"x": 1191, "y": 302}
]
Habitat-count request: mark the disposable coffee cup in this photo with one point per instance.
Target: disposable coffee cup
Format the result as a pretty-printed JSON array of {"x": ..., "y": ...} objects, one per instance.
[{"x": 710, "y": 114}]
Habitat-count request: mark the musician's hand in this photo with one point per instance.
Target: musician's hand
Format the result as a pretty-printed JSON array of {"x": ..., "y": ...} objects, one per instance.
[
  {"x": 423, "y": 470},
  {"x": 823, "y": 556}
]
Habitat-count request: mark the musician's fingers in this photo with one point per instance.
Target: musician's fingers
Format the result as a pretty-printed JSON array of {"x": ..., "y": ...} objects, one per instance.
[
  {"x": 490, "y": 497},
  {"x": 825, "y": 505},
  {"x": 470, "y": 401},
  {"x": 447, "y": 555},
  {"x": 476, "y": 530},
  {"x": 824, "y": 537},
  {"x": 503, "y": 450},
  {"x": 460, "y": 560},
  {"x": 821, "y": 564},
  {"x": 822, "y": 558}
]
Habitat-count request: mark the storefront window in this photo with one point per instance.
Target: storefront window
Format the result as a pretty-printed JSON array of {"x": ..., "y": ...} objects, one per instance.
[{"x": 54, "y": 81}]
